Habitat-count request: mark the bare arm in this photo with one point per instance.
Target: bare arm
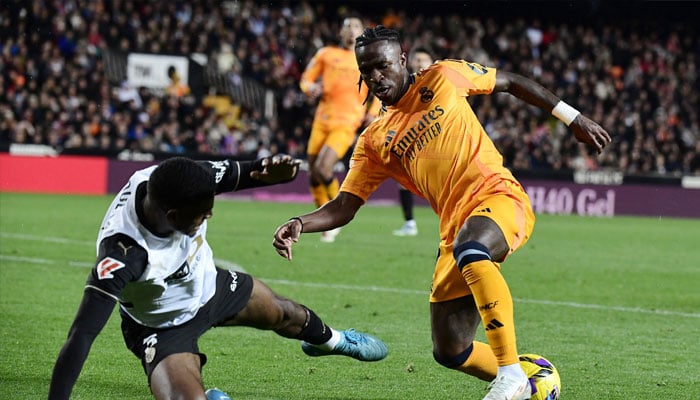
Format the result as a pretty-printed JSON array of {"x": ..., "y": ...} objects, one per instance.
[
  {"x": 585, "y": 130},
  {"x": 333, "y": 214}
]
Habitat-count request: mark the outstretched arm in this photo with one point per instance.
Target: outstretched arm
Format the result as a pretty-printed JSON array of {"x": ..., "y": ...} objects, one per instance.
[
  {"x": 92, "y": 316},
  {"x": 232, "y": 175},
  {"x": 585, "y": 130},
  {"x": 333, "y": 214},
  {"x": 120, "y": 260}
]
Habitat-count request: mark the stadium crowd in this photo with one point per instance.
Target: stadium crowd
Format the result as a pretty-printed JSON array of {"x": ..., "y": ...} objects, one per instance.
[{"x": 638, "y": 77}]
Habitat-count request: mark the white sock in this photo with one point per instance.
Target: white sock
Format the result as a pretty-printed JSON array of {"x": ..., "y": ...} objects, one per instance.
[
  {"x": 332, "y": 342},
  {"x": 513, "y": 370}
]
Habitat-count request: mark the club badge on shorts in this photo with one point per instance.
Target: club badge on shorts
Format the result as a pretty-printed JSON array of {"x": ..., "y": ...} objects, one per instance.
[{"x": 150, "y": 350}]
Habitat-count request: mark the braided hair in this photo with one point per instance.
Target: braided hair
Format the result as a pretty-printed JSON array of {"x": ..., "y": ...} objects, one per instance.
[
  {"x": 380, "y": 32},
  {"x": 373, "y": 35}
]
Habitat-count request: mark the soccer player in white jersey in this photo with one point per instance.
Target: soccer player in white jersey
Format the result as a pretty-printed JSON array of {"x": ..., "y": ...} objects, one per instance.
[{"x": 154, "y": 260}]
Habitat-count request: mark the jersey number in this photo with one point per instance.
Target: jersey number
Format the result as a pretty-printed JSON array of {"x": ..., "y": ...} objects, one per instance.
[{"x": 107, "y": 266}]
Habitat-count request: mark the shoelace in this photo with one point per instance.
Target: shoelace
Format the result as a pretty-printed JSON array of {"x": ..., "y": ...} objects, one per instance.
[
  {"x": 499, "y": 389},
  {"x": 353, "y": 338}
]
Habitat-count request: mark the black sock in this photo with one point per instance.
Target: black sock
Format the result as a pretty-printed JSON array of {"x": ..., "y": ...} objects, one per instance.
[
  {"x": 314, "y": 330},
  {"x": 406, "y": 198}
]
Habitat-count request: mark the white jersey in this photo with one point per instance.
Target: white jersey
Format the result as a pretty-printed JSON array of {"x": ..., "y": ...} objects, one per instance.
[{"x": 180, "y": 276}]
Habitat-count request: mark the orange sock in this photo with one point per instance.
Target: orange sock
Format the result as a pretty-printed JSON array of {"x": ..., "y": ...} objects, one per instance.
[
  {"x": 320, "y": 195},
  {"x": 481, "y": 362},
  {"x": 332, "y": 188},
  {"x": 495, "y": 304}
]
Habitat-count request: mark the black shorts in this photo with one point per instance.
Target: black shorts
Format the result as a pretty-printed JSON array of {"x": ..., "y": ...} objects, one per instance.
[{"x": 151, "y": 345}]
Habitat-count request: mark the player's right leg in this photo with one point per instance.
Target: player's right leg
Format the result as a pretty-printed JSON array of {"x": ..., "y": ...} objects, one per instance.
[
  {"x": 178, "y": 376},
  {"x": 453, "y": 326},
  {"x": 170, "y": 357}
]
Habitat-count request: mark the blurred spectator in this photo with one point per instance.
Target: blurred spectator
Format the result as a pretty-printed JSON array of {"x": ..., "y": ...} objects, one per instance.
[{"x": 637, "y": 75}]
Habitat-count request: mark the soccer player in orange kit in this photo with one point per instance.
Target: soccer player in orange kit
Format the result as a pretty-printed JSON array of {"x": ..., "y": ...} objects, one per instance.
[
  {"x": 332, "y": 75},
  {"x": 430, "y": 141}
]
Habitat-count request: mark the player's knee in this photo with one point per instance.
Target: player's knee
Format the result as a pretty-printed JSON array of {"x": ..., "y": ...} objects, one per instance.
[
  {"x": 453, "y": 362},
  {"x": 285, "y": 313},
  {"x": 313, "y": 180},
  {"x": 469, "y": 252},
  {"x": 320, "y": 176}
]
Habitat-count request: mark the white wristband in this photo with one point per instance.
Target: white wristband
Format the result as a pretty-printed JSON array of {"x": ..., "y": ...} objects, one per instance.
[{"x": 565, "y": 113}]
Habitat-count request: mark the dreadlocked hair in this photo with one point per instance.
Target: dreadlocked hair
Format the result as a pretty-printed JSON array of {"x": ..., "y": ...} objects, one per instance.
[
  {"x": 373, "y": 35},
  {"x": 379, "y": 32}
]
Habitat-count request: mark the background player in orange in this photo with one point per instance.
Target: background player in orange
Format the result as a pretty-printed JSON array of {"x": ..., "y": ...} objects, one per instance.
[
  {"x": 419, "y": 59},
  {"x": 430, "y": 141},
  {"x": 332, "y": 76}
]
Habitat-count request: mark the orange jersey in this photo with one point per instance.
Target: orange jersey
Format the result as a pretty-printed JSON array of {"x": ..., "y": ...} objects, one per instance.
[
  {"x": 432, "y": 143},
  {"x": 341, "y": 101}
]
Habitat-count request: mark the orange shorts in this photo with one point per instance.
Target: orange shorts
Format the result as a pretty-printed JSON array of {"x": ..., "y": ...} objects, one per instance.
[
  {"x": 510, "y": 210},
  {"x": 339, "y": 138}
]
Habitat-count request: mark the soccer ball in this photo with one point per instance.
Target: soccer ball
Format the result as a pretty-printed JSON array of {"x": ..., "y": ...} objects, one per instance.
[{"x": 543, "y": 375}]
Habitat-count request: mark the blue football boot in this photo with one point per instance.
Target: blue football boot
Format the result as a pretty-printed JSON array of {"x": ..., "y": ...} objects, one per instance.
[
  {"x": 216, "y": 394},
  {"x": 360, "y": 346}
]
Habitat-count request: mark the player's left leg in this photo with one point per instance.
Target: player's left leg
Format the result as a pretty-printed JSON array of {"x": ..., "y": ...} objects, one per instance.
[
  {"x": 322, "y": 170},
  {"x": 267, "y": 310},
  {"x": 496, "y": 227},
  {"x": 482, "y": 243},
  {"x": 317, "y": 139},
  {"x": 317, "y": 188},
  {"x": 339, "y": 141}
]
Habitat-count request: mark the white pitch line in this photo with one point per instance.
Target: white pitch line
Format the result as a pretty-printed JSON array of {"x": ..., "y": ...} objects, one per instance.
[
  {"x": 530, "y": 301},
  {"x": 610, "y": 308},
  {"x": 345, "y": 287},
  {"x": 35, "y": 260},
  {"x": 49, "y": 239},
  {"x": 229, "y": 264}
]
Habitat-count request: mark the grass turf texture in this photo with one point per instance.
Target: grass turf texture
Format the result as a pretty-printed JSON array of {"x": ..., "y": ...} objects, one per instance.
[{"x": 613, "y": 303}]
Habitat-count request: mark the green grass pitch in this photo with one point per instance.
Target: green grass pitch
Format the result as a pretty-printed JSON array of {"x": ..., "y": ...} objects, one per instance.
[{"x": 614, "y": 303}]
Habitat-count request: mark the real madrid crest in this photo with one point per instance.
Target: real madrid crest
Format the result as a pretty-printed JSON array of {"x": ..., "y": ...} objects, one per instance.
[{"x": 426, "y": 95}]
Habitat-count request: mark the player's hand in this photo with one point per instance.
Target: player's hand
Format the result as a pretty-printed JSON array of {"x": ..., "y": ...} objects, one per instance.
[
  {"x": 277, "y": 169},
  {"x": 285, "y": 236},
  {"x": 315, "y": 90},
  {"x": 587, "y": 131}
]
